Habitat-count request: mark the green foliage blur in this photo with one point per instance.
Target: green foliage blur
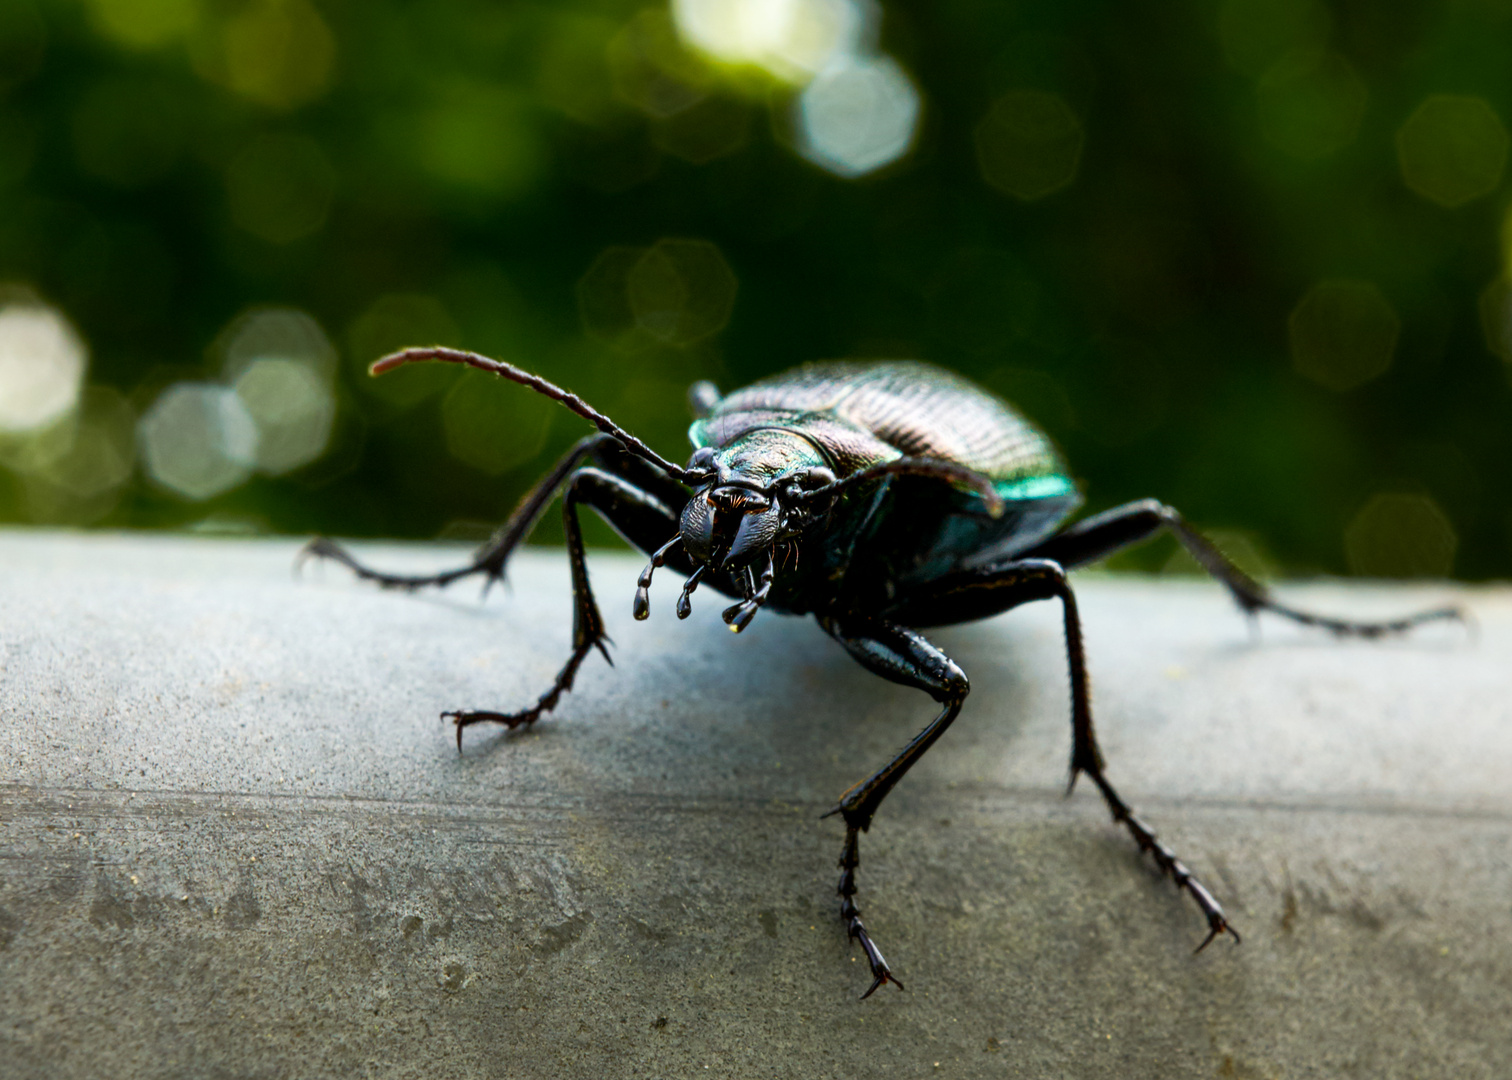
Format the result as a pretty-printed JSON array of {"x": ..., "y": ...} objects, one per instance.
[{"x": 1247, "y": 257}]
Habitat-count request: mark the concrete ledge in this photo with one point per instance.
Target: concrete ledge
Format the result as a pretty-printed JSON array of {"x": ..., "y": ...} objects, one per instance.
[{"x": 237, "y": 841}]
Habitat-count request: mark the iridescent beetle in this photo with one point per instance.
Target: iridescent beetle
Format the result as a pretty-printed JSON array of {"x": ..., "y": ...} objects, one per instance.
[{"x": 878, "y": 497}]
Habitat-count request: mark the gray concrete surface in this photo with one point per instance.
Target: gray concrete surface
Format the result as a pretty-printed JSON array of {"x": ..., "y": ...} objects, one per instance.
[{"x": 236, "y": 841}]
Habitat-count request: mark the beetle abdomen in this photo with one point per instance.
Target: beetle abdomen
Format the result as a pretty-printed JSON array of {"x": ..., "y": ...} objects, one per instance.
[{"x": 917, "y": 409}]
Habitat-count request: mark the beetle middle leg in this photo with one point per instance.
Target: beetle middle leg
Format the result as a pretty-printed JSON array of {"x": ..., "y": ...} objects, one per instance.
[
  {"x": 1123, "y": 526},
  {"x": 978, "y": 594},
  {"x": 902, "y": 656}
]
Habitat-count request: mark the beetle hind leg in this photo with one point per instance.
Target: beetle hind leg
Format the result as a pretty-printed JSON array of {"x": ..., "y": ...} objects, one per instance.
[
  {"x": 1166, "y": 860},
  {"x": 978, "y": 594},
  {"x": 1123, "y": 526}
]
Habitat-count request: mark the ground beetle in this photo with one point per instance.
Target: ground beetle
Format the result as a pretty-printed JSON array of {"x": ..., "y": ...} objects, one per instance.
[{"x": 878, "y": 497}]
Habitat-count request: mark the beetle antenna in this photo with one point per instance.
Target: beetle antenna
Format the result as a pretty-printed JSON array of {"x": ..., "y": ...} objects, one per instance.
[
  {"x": 912, "y": 466},
  {"x": 540, "y": 386},
  {"x": 643, "y": 586},
  {"x": 684, "y": 604}
]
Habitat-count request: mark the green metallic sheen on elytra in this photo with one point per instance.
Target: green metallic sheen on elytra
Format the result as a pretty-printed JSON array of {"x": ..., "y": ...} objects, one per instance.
[
  {"x": 864, "y": 413},
  {"x": 1035, "y": 487}
]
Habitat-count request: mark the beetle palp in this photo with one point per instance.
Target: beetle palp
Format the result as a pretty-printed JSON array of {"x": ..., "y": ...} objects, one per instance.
[
  {"x": 684, "y": 603},
  {"x": 642, "y": 606}
]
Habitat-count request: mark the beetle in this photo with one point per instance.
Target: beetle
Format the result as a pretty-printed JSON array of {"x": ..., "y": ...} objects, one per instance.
[{"x": 881, "y": 498}]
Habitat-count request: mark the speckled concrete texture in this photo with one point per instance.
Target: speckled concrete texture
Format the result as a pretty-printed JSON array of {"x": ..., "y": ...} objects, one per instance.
[{"x": 237, "y": 841}]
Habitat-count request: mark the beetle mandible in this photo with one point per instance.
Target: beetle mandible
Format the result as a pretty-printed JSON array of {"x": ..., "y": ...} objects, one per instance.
[{"x": 879, "y": 498}]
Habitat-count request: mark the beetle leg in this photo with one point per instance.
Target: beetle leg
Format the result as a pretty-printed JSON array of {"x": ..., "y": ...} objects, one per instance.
[
  {"x": 977, "y": 594},
  {"x": 634, "y": 512},
  {"x": 903, "y": 656},
  {"x": 1111, "y": 531},
  {"x": 850, "y": 859},
  {"x": 489, "y": 559}
]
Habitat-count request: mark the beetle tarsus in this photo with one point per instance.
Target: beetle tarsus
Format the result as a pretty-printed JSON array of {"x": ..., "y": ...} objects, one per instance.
[
  {"x": 1167, "y": 862},
  {"x": 850, "y": 859},
  {"x": 465, "y": 718},
  {"x": 1369, "y": 630},
  {"x": 1113, "y": 530}
]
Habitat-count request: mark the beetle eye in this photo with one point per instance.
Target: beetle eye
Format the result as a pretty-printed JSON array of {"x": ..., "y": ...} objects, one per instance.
[
  {"x": 813, "y": 479},
  {"x": 702, "y": 460}
]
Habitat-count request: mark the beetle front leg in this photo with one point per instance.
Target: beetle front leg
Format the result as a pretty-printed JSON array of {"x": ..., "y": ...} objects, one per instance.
[
  {"x": 903, "y": 656},
  {"x": 631, "y": 510}
]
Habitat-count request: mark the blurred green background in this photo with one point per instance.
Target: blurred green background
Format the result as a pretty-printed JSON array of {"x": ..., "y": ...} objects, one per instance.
[{"x": 1247, "y": 257}]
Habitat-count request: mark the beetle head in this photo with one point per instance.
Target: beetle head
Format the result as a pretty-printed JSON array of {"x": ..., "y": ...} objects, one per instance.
[{"x": 750, "y": 502}]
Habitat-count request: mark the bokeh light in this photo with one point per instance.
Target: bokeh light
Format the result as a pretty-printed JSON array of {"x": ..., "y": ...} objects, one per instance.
[
  {"x": 1310, "y": 104},
  {"x": 1400, "y": 535},
  {"x": 1452, "y": 149},
  {"x": 277, "y": 53},
  {"x": 293, "y": 410},
  {"x": 652, "y": 70},
  {"x": 281, "y": 365},
  {"x": 476, "y": 136},
  {"x": 1496, "y": 318},
  {"x": 1116, "y": 222},
  {"x": 198, "y": 440},
  {"x": 1030, "y": 144},
  {"x": 144, "y": 24},
  {"x": 280, "y": 187},
  {"x": 79, "y": 466},
  {"x": 857, "y": 115},
  {"x": 261, "y": 333},
  {"x": 793, "y": 40},
  {"x": 1343, "y": 334},
  {"x": 1256, "y": 34},
  {"x": 676, "y": 292},
  {"x": 42, "y": 361}
]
